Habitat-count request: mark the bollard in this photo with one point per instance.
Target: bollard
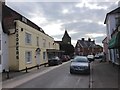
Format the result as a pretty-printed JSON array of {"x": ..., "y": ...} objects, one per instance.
[
  {"x": 37, "y": 66},
  {"x": 7, "y": 73},
  {"x": 26, "y": 69}
]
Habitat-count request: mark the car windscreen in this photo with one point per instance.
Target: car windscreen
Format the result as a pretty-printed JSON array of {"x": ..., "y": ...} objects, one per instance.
[{"x": 80, "y": 60}]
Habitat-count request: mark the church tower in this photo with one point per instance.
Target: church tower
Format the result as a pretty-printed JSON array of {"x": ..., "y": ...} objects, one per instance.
[{"x": 66, "y": 38}]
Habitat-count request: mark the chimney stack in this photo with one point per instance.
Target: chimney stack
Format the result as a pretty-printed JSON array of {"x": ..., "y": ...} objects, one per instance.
[
  {"x": 89, "y": 39},
  {"x": 82, "y": 39},
  {"x": 2, "y": 1}
]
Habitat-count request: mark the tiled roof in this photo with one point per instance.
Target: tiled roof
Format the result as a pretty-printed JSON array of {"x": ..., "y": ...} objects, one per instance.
[
  {"x": 86, "y": 43},
  {"x": 9, "y": 15},
  {"x": 115, "y": 11},
  {"x": 66, "y": 34}
]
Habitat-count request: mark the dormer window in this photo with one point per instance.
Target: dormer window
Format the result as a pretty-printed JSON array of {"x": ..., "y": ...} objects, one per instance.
[{"x": 24, "y": 19}]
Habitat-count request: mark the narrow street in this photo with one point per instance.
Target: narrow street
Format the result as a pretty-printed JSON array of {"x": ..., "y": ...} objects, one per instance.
[
  {"x": 58, "y": 78},
  {"x": 103, "y": 75}
]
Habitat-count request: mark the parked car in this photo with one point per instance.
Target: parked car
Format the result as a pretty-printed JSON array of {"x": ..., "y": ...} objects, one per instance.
[
  {"x": 68, "y": 57},
  {"x": 80, "y": 64},
  {"x": 54, "y": 61},
  {"x": 97, "y": 56},
  {"x": 91, "y": 58},
  {"x": 64, "y": 58}
]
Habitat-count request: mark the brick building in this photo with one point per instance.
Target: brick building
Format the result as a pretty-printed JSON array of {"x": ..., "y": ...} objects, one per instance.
[{"x": 87, "y": 47}]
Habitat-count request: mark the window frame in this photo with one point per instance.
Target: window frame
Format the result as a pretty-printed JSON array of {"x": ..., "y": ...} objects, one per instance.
[
  {"x": 26, "y": 57},
  {"x": 28, "y": 38}
]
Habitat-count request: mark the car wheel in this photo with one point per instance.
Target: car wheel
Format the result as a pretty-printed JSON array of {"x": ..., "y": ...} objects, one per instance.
[{"x": 71, "y": 72}]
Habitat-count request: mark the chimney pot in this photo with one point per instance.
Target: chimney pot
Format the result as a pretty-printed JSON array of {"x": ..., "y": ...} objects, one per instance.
[
  {"x": 82, "y": 39},
  {"x": 89, "y": 39}
]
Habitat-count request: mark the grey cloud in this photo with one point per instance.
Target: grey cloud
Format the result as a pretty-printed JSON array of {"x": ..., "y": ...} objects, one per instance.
[{"x": 52, "y": 11}]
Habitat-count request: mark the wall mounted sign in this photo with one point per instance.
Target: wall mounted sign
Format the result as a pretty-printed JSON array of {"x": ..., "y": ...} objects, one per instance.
[{"x": 17, "y": 44}]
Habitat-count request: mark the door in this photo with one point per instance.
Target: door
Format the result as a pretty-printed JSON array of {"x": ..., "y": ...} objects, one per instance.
[{"x": 38, "y": 58}]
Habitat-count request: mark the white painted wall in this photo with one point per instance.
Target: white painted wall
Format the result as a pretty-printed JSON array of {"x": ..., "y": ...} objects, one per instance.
[
  {"x": 4, "y": 49},
  {"x": 111, "y": 26}
]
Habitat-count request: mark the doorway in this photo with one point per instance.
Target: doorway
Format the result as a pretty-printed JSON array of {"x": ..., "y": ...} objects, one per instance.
[{"x": 38, "y": 56}]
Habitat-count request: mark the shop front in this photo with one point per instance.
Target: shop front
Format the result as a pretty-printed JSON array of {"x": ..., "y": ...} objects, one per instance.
[{"x": 114, "y": 44}]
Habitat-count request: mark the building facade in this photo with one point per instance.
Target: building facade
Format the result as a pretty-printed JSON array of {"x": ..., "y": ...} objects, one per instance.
[
  {"x": 105, "y": 48},
  {"x": 112, "y": 22},
  {"x": 25, "y": 43},
  {"x": 65, "y": 45},
  {"x": 87, "y": 47},
  {"x": 66, "y": 39},
  {"x": 3, "y": 43}
]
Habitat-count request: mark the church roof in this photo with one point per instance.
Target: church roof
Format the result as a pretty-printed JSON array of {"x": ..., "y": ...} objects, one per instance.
[{"x": 66, "y": 34}]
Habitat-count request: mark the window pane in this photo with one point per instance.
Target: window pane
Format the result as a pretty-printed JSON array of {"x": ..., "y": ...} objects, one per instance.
[
  {"x": 28, "y": 56},
  {"x": 28, "y": 38}
]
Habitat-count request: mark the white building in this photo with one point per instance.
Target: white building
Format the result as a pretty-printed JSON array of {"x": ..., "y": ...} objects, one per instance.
[
  {"x": 111, "y": 21},
  {"x": 3, "y": 45}
]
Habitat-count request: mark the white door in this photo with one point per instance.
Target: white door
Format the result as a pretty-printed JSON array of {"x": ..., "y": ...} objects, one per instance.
[{"x": 38, "y": 58}]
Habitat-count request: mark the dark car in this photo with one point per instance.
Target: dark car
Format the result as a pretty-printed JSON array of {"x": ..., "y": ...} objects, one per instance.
[
  {"x": 80, "y": 64},
  {"x": 55, "y": 60},
  {"x": 64, "y": 58}
]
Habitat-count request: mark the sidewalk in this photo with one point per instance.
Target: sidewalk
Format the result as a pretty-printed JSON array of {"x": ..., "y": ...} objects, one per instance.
[
  {"x": 13, "y": 75},
  {"x": 104, "y": 75}
]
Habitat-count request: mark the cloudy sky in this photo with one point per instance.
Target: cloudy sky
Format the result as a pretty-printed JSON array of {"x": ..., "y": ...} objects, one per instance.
[{"x": 81, "y": 19}]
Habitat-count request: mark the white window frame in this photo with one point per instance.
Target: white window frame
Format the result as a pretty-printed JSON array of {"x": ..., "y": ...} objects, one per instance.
[
  {"x": 28, "y": 38},
  {"x": 28, "y": 59}
]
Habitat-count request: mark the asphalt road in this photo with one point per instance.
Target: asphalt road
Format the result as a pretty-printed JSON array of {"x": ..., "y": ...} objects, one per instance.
[{"x": 58, "y": 78}]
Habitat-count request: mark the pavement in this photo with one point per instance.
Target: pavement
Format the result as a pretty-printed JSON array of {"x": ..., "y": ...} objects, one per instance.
[{"x": 103, "y": 75}]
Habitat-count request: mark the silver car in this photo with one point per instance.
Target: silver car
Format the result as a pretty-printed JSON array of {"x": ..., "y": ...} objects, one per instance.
[{"x": 80, "y": 64}]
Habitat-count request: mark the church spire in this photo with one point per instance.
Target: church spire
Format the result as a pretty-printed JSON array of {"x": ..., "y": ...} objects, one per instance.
[{"x": 66, "y": 38}]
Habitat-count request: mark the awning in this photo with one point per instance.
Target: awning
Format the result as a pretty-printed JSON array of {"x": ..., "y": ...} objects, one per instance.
[{"x": 114, "y": 42}]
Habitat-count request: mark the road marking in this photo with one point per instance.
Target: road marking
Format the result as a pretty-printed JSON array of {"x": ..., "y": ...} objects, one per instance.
[{"x": 18, "y": 82}]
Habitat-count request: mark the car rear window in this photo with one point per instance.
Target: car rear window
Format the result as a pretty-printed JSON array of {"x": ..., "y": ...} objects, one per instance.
[{"x": 80, "y": 59}]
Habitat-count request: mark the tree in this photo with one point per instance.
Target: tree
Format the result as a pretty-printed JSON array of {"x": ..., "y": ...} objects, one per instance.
[{"x": 68, "y": 48}]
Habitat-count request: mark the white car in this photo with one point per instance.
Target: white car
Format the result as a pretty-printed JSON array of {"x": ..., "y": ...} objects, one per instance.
[{"x": 91, "y": 57}]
